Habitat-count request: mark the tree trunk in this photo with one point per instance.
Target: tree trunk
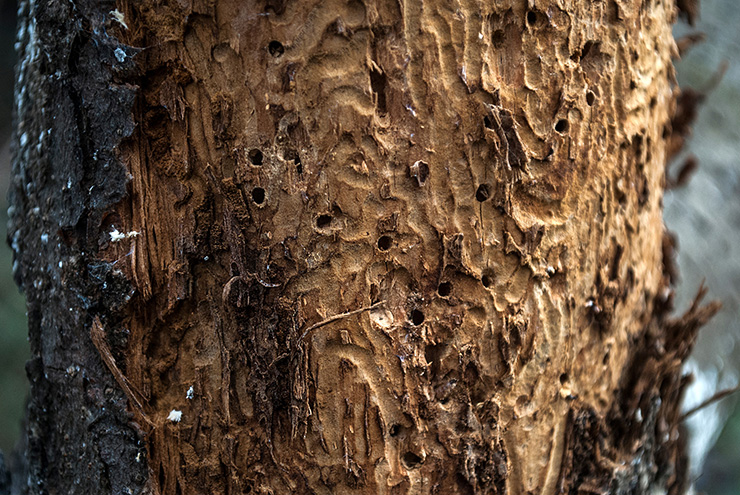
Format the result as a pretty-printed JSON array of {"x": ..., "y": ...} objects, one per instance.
[{"x": 341, "y": 246}]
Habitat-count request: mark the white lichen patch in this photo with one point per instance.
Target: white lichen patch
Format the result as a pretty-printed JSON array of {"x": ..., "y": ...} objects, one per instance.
[
  {"x": 190, "y": 393},
  {"x": 175, "y": 416},
  {"x": 116, "y": 236},
  {"x": 120, "y": 55},
  {"x": 118, "y": 16}
]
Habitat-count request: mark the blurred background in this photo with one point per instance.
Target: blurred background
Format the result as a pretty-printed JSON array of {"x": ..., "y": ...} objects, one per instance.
[
  {"x": 13, "y": 344},
  {"x": 704, "y": 215}
]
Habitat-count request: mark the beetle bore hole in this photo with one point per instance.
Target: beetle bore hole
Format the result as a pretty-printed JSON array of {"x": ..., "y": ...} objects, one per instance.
[
  {"x": 531, "y": 17},
  {"x": 488, "y": 122},
  {"x": 255, "y": 157},
  {"x": 411, "y": 460},
  {"x": 394, "y": 430},
  {"x": 417, "y": 317},
  {"x": 444, "y": 289},
  {"x": 564, "y": 378},
  {"x": 487, "y": 280},
  {"x": 258, "y": 195},
  {"x": 561, "y": 126},
  {"x": 275, "y": 48},
  {"x": 483, "y": 193},
  {"x": 590, "y": 98},
  {"x": 384, "y": 243},
  {"x": 323, "y": 221}
]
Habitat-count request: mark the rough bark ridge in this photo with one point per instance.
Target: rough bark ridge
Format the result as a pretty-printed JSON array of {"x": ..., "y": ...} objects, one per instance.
[
  {"x": 364, "y": 247},
  {"x": 72, "y": 109}
]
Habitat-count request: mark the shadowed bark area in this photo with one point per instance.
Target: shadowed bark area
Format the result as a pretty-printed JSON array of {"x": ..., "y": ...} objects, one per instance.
[{"x": 350, "y": 247}]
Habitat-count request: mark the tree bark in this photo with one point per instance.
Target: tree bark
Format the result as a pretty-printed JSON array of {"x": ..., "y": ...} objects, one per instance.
[{"x": 348, "y": 247}]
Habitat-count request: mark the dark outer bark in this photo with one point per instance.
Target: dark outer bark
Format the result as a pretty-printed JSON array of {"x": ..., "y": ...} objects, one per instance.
[
  {"x": 139, "y": 210},
  {"x": 73, "y": 108}
]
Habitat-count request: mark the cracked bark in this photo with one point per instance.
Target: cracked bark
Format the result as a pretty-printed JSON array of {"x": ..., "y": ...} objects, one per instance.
[{"x": 362, "y": 247}]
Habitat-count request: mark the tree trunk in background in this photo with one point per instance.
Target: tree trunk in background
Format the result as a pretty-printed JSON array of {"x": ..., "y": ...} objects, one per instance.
[{"x": 353, "y": 246}]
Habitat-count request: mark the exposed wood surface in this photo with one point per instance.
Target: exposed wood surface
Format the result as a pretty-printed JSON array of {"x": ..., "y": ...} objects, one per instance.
[{"x": 392, "y": 247}]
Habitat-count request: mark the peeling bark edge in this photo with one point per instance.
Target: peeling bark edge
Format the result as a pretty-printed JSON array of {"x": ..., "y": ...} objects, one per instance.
[
  {"x": 644, "y": 426},
  {"x": 73, "y": 101}
]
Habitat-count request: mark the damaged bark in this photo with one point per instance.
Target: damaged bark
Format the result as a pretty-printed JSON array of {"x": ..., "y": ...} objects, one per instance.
[{"x": 349, "y": 247}]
